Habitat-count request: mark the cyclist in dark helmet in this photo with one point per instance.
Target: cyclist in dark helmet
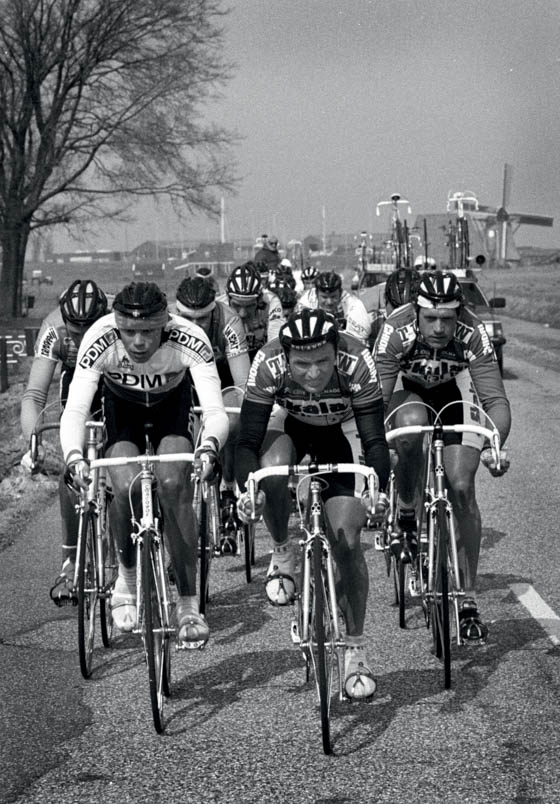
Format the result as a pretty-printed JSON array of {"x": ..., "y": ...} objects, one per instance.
[
  {"x": 259, "y": 309},
  {"x": 349, "y": 311},
  {"x": 149, "y": 360},
  {"x": 288, "y": 300},
  {"x": 196, "y": 301},
  {"x": 332, "y": 415},
  {"x": 436, "y": 351},
  {"x": 401, "y": 288},
  {"x": 60, "y": 335}
]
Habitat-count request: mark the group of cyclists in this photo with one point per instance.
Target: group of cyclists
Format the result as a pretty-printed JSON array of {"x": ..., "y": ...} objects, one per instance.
[{"x": 313, "y": 378}]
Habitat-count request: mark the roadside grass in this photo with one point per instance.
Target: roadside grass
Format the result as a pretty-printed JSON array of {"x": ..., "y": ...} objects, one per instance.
[{"x": 531, "y": 292}]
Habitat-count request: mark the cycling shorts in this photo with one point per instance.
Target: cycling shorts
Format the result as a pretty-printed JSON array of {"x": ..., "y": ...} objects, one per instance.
[
  {"x": 124, "y": 420},
  {"x": 334, "y": 443},
  {"x": 458, "y": 390}
]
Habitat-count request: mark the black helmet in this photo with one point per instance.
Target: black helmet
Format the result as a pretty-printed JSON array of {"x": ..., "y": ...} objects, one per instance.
[
  {"x": 328, "y": 281},
  {"x": 82, "y": 303},
  {"x": 308, "y": 329},
  {"x": 402, "y": 287},
  {"x": 196, "y": 292},
  {"x": 262, "y": 268},
  {"x": 140, "y": 300},
  {"x": 440, "y": 288},
  {"x": 244, "y": 281}
]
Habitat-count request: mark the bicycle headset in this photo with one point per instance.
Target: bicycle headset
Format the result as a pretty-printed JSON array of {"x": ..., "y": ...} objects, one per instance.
[
  {"x": 440, "y": 289},
  {"x": 402, "y": 287},
  {"x": 244, "y": 283},
  {"x": 142, "y": 300},
  {"x": 308, "y": 329},
  {"x": 195, "y": 297},
  {"x": 328, "y": 282},
  {"x": 82, "y": 303}
]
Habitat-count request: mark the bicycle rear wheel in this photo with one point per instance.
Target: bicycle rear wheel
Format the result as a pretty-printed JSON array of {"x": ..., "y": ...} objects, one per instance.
[
  {"x": 323, "y": 654},
  {"x": 205, "y": 555},
  {"x": 87, "y": 591},
  {"x": 400, "y": 577},
  {"x": 108, "y": 568},
  {"x": 156, "y": 625},
  {"x": 249, "y": 545},
  {"x": 439, "y": 616}
]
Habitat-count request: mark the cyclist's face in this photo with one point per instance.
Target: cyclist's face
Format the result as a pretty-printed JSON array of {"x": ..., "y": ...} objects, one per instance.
[
  {"x": 203, "y": 321},
  {"x": 437, "y": 326},
  {"x": 76, "y": 333},
  {"x": 329, "y": 301},
  {"x": 308, "y": 283},
  {"x": 246, "y": 312},
  {"x": 141, "y": 344},
  {"x": 312, "y": 370}
]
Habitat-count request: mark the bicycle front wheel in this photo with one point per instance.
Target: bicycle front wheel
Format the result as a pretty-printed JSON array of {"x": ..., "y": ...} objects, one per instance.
[
  {"x": 249, "y": 544},
  {"x": 323, "y": 652},
  {"x": 156, "y": 625},
  {"x": 87, "y": 590},
  {"x": 439, "y": 616},
  {"x": 206, "y": 552},
  {"x": 108, "y": 569}
]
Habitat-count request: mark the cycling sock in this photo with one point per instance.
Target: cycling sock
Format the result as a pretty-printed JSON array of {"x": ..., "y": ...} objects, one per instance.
[
  {"x": 281, "y": 548},
  {"x": 128, "y": 575},
  {"x": 189, "y": 604},
  {"x": 355, "y": 641}
]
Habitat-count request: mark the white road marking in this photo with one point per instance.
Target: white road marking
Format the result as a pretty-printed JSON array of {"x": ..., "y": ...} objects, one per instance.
[{"x": 537, "y": 608}]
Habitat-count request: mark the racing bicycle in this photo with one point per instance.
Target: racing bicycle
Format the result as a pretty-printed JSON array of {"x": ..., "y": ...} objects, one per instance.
[
  {"x": 399, "y": 241},
  {"x": 434, "y": 575},
  {"x": 316, "y": 628}
]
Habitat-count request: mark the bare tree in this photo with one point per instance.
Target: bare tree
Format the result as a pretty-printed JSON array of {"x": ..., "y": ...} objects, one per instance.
[{"x": 100, "y": 103}]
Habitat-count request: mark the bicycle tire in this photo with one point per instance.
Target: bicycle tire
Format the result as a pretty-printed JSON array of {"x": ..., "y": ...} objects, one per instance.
[
  {"x": 156, "y": 627},
  {"x": 107, "y": 575},
  {"x": 401, "y": 579},
  {"x": 87, "y": 591},
  {"x": 249, "y": 545},
  {"x": 320, "y": 613},
  {"x": 205, "y": 556},
  {"x": 440, "y": 621}
]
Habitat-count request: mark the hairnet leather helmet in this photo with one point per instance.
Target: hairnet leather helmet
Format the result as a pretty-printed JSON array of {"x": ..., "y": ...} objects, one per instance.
[
  {"x": 82, "y": 303},
  {"x": 328, "y": 281},
  {"x": 402, "y": 287},
  {"x": 196, "y": 292},
  {"x": 140, "y": 300},
  {"x": 308, "y": 329}
]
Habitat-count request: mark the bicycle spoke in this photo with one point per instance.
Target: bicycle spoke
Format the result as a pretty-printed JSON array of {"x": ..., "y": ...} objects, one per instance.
[
  {"x": 156, "y": 627},
  {"x": 87, "y": 592}
]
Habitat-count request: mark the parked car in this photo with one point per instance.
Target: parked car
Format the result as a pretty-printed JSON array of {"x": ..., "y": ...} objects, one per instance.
[{"x": 476, "y": 299}]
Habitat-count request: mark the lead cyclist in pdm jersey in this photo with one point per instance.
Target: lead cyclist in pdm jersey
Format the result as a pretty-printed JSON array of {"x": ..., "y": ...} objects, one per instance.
[
  {"x": 60, "y": 335},
  {"x": 349, "y": 311},
  {"x": 436, "y": 351},
  {"x": 260, "y": 310},
  {"x": 143, "y": 354},
  {"x": 326, "y": 383},
  {"x": 196, "y": 301}
]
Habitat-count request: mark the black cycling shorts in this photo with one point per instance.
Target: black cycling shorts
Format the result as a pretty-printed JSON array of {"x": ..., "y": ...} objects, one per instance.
[
  {"x": 452, "y": 391},
  {"x": 125, "y": 420}
]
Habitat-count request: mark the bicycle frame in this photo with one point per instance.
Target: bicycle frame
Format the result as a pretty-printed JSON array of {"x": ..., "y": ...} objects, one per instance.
[
  {"x": 458, "y": 233},
  {"x": 399, "y": 238}
]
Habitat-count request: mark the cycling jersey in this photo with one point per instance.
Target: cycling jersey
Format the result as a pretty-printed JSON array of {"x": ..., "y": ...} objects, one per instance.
[
  {"x": 266, "y": 323},
  {"x": 400, "y": 350},
  {"x": 352, "y": 315},
  {"x": 54, "y": 342},
  {"x": 102, "y": 353}
]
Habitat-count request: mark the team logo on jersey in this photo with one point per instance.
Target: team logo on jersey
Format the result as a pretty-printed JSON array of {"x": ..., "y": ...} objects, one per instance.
[
  {"x": 345, "y": 362},
  {"x": 370, "y": 363},
  {"x": 384, "y": 338},
  {"x": 144, "y": 382},
  {"x": 47, "y": 343},
  {"x": 407, "y": 333},
  {"x": 487, "y": 348},
  {"x": 191, "y": 343},
  {"x": 232, "y": 340},
  {"x": 277, "y": 365},
  {"x": 98, "y": 347},
  {"x": 257, "y": 360},
  {"x": 463, "y": 332}
]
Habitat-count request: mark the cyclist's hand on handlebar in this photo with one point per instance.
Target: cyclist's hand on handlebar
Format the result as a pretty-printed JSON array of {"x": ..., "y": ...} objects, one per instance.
[
  {"x": 487, "y": 458},
  {"x": 33, "y": 463},
  {"x": 245, "y": 509},
  {"x": 381, "y": 507},
  {"x": 76, "y": 474},
  {"x": 207, "y": 461}
]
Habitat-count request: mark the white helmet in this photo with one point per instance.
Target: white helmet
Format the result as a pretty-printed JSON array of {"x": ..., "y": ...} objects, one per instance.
[{"x": 286, "y": 263}]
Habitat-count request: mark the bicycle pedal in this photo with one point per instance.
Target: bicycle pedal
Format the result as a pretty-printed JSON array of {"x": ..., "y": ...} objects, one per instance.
[{"x": 198, "y": 645}]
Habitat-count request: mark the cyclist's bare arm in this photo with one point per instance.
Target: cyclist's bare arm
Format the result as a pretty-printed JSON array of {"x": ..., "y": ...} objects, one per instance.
[{"x": 35, "y": 395}]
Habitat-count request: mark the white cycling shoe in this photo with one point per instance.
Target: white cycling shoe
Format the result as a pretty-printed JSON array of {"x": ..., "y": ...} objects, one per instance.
[{"x": 280, "y": 585}]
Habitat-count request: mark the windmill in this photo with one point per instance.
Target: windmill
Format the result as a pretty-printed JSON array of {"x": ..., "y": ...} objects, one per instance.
[{"x": 497, "y": 226}]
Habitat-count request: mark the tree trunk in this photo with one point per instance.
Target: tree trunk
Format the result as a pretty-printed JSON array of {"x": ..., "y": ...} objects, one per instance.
[{"x": 14, "y": 243}]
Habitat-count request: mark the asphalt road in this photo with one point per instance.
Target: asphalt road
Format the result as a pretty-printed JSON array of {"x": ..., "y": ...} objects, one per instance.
[{"x": 244, "y": 725}]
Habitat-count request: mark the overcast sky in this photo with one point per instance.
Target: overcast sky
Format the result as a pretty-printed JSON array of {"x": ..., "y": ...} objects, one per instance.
[{"x": 343, "y": 102}]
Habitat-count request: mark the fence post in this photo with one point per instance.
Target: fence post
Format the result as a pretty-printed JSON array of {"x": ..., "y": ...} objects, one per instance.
[
  {"x": 3, "y": 365},
  {"x": 30, "y": 338}
]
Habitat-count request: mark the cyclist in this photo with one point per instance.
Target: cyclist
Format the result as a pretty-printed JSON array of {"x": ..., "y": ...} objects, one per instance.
[
  {"x": 268, "y": 253},
  {"x": 437, "y": 351},
  {"x": 349, "y": 311},
  {"x": 60, "y": 335},
  {"x": 260, "y": 310},
  {"x": 400, "y": 288},
  {"x": 288, "y": 300},
  {"x": 326, "y": 383},
  {"x": 196, "y": 301},
  {"x": 143, "y": 353},
  {"x": 264, "y": 274},
  {"x": 309, "y": 274}
]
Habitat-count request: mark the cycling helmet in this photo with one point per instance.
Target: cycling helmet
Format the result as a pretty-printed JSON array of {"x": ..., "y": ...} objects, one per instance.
[
  {"x": 262, "y": 268},
  {"x": 308, "y": 329},
  {"x": 439, "y": 289},
  {"x": 402, "y": 287},
  {"x": 82, "y": 303},
  {"x": 142, "y": 301},
  {"x": 195, "y": 297},
  {"x": 286, "y": 265},
  {"x": 328, "y": 281},
  {"x": 427, "y": 263},
  {"x": 288, "y": 297},
  {"x": 309, "y": 273},
  {"x": 244, "y": 282}
]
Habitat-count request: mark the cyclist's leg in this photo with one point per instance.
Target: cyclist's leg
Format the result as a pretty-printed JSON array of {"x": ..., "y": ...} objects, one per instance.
[
  {"x": 61, "y": 592},
  {"x": 233, "y": 397}
]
